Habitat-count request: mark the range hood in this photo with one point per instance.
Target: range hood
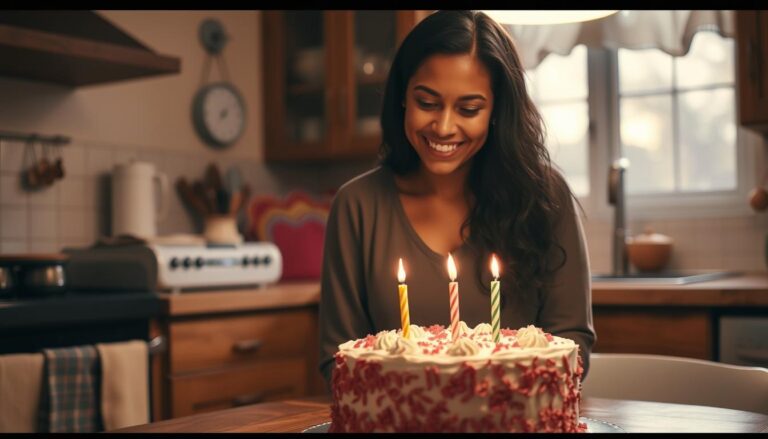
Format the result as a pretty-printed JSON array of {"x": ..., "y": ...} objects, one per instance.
[{"x": 74, "y": 48}]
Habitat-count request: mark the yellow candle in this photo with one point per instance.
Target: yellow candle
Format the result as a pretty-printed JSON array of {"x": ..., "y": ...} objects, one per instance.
[
  {"x": 453, "y": 297},
  {"x": 495, "y": 300},
  {"x": 402, "y": 290}
]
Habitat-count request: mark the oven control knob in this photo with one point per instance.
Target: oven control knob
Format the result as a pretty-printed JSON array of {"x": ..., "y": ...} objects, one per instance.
[
  {"x": 199, "y": 262},
  {"x": 174, "y": 264},
  {"x": 255, "y": 261},
  {"x": 267, "y": 260},
  {"x": 245, "y": 261},
  {"x": 187, "y": 262}
]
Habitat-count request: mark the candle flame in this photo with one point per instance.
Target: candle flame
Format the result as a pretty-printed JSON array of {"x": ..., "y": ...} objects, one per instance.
[
  {"x": 494, "y": 267},
  {"x": 401, "y": 272},
  {"x": 451, "y": 268}
]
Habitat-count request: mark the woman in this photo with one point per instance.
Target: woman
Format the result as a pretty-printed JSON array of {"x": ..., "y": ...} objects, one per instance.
[{"x": 464, "y": 170}]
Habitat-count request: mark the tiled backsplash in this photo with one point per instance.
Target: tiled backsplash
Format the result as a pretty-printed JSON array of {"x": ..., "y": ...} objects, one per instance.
[
  {"x": 737, "y": 243},
  {"x": 75, "y": 211}
]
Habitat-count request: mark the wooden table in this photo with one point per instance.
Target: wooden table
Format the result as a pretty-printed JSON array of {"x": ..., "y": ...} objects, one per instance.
[{"x": 632, "y": 416}]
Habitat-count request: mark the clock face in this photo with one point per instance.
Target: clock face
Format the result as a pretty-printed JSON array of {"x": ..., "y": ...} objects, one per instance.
[{"x": 219, "y": 114}]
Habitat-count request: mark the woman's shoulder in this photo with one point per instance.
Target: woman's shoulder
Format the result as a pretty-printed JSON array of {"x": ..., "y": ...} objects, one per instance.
[
  {"x": 365, "y": 187},
  {"x": 560, "y": 188}
]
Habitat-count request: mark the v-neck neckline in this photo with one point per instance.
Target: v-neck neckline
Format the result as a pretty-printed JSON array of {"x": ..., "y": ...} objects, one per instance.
[{"x": 415, "y": 237}]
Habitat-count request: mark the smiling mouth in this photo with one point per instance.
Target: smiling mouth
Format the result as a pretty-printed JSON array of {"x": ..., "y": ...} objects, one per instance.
[{"x": 444, "y": 148}]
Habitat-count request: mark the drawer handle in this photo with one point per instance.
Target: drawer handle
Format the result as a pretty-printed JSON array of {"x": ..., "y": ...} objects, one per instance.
[
  {"x": 246, "y": 346},
  {"x": 253, "y": 398}
]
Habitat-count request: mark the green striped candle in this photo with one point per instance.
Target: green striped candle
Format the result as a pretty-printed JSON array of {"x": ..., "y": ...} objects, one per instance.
[{"x": 495, "y": 301}]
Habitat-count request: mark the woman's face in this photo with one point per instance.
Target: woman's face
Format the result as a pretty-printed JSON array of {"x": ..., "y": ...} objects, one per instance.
[{"x": 448, "y": 106}]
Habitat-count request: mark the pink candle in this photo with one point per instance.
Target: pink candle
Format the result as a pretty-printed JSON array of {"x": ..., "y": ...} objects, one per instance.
[{"x": 453, "y": 296}]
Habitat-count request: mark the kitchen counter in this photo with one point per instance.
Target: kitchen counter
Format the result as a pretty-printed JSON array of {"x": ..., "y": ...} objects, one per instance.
[
  {"x": 748, "y": 289},
  {"x": 274, "y": 296}
]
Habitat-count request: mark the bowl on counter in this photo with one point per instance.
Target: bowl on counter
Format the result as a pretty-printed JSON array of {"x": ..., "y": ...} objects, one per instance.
[{"x": 649, "y": 251}]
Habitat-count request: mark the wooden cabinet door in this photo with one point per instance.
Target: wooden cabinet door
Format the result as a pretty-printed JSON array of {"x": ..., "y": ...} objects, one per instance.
[
  {"x": 680, "y": 332},
  {"x": 752, "y": 61},
  {"x": 328, "y": 110},
  {"x": 298, "y": 64}
]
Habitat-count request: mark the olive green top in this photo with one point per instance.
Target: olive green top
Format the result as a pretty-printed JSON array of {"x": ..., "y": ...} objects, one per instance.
[{"x": 368, "y": 231}]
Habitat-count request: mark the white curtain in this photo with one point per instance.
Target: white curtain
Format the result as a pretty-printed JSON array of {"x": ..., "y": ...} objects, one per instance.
[{"x": 668, "y": 31}]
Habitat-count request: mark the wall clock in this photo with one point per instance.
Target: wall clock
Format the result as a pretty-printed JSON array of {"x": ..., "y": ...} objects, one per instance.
[
  {"x": 218, "y": 113},
  {"x": 218, "y": 109}
]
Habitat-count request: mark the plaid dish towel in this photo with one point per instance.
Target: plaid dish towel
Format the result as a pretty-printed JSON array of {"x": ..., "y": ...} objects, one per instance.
[{"x": 69, "y": 401}]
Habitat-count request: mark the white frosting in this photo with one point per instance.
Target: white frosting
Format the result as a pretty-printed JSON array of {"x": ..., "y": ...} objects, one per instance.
[
  {"x": 463, "y": 346},
  {"x": 483, "y": 328},
  {"x": 531, "y": 337},
  {"x": 464, "y": 328},
  {"x": 385, "y": 340},
  {"x": 416, "y": 332},
  {"x": 404, "y": 346},
  {"x": 433, "y": 348}
]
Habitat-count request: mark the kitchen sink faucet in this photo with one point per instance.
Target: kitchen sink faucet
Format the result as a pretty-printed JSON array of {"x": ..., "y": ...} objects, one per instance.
[{"x": 617, "y": 199}]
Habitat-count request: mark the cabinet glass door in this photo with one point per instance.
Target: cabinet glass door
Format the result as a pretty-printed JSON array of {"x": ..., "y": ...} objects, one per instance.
[
  {"x": 375, "y": 43},
  {"x": 306, "y": 55}
]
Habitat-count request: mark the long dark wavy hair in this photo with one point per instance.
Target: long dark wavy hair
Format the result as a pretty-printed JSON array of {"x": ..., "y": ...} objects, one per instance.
[{"x": 511, "y": 180}]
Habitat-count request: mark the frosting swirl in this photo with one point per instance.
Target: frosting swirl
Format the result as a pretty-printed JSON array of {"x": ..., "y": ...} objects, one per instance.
[
  {"x": 403, "y": 346},
  {"x": 483, "y": 328},
  {"x": 464, "y": 328},
  {"x": 531, "y": 337},
  {"x": 463, "y": 346},
  {"x": 385, "y": 340},
  {"x": 417, "y": 331}
]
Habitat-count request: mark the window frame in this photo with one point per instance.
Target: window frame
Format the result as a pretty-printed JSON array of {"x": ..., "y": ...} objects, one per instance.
[{"x": 604, "y": 146}]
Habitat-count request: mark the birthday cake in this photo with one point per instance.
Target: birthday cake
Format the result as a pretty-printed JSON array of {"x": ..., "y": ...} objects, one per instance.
[{"x": 527, "y": 382}]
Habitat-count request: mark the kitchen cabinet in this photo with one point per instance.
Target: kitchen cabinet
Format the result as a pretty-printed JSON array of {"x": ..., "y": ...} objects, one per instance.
[
  {"x": 238, "y": 347},
  {"x": 752, "y": 70},
  {"x": 677, "y": 320},
  {"x": 324, "y": 79},
  {"x": 660, "y": 331},
  {"x": 74, "y": 48}
]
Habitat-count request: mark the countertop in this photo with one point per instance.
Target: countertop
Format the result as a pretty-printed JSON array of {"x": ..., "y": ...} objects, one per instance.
[
  {"x": 631, "y": 416},
  {"x": 749, "y": 289},
  {"x": 278, "y": 295}
]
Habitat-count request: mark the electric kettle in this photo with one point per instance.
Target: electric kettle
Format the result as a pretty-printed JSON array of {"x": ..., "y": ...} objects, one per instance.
[{"x": 139, "y": 199}]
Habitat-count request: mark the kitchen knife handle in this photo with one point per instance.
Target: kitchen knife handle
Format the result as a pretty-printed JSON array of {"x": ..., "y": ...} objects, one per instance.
[{"x": 246, "y": 346}]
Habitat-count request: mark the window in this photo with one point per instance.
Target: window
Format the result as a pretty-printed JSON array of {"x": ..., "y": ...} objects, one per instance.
[
  {"x": 677, "y": 117},
  {"x": 672, "y": 117},
  {"x": 563, "y": 105}
]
